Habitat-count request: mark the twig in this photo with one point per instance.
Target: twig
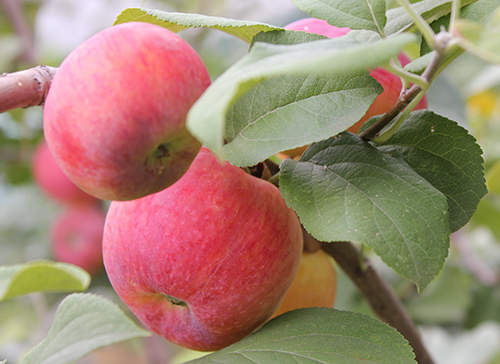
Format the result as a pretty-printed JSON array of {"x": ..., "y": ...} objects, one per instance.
[
  {"x": 25, "y": 88},
  {"x": 405, "y": 98},
  {"x": 378, "y": 294}
]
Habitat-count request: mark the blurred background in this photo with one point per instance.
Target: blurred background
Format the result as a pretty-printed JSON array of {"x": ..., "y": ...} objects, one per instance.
[{"x": 459, "y": 313}]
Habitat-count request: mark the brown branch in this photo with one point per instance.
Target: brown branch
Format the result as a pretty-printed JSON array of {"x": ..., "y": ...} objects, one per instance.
[
  {"x": 378, "y": 294},
  {"x": 404, "y": 99},
  {"x": 25, "y": 88}
]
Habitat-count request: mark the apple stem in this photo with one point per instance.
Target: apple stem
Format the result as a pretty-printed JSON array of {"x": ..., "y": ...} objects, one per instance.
[
  {"x": 25, "y": 88},
  {"x": 378, "y": 293}
]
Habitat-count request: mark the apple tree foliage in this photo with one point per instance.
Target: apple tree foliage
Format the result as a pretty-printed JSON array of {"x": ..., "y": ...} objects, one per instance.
[{"x": 401, "y": 193}]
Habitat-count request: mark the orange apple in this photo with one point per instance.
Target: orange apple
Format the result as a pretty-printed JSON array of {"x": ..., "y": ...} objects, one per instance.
[{"x": 315, "y": 284}]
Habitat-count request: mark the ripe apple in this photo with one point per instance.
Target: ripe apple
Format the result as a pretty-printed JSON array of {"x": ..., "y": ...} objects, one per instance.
[
  {"x": 52, "y": 180},
  {"x": 391, "y": 83},
  {"x": 77, "y": 237},
  {"x": 315, "y": 284},
  {"x": 114, "y": 117},
  {"x": 206, "y": 261}
]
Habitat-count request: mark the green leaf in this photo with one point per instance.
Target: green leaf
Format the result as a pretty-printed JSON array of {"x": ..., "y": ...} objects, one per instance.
[
  {"x": 244, "y": 30},
  {"x": 304, "y": 109},
  {"x": 344, "y": 189},
  {"x": 398, "y": 19},
  {"x": 318, "y": 335},
  {"x": 286, "y": 37},
  {"x": 493, "y": 178},
  {"x": 485, "y": 305},
  {"x": 479, "y": 11},
  {"x": 419, "y": 65},
  {"x": 488, "y": 215},
  {"x": 82, "y": 324},
  {"x": 481, "y": 40},
  {"x": 445, "y": 300},
  {"x": 41, "y": 276},
  {"x": 309, "y": 109},
  {"x": 355, "y": 14},
  {"x": 332, "y": 57},
  {"x": 447, "y": 156}
]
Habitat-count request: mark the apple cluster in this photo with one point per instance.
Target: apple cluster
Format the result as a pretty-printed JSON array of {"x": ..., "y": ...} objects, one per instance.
[{"x": 202, "y": 252}]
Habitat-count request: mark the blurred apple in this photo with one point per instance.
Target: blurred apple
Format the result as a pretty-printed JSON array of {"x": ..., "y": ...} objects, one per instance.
[
  {"x": 77, "y": 237},
  {"x": 52, "y": 180},
  {"x": 114, "y": 117},
  {"x": 206, "y": 261},
  {"x": 315, "y": 284}
]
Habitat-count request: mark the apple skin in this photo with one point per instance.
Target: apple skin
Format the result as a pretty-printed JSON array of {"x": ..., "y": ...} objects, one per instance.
[
  {"x": 206, "y": 261},
  {"x": 315, "y": 284},
  {"x": 53, "y": 182},
  {"x": 114, "y": 117},
  {"x": 77, "y": 237},
  {"x": 391, "y": 83}
]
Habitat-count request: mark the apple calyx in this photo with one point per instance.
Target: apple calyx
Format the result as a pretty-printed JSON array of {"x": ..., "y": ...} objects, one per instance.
[
  {"x": 175, "y": 301},
  {"x": 172, "y": 152}
]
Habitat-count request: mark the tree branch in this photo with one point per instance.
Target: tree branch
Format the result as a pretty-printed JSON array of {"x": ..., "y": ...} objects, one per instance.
[
  {"x": 443, "y": 55},
  {"x": 25, "y": 88},
  {"x": 406, "y": 97},
  {"x": 378, "y": 294}
]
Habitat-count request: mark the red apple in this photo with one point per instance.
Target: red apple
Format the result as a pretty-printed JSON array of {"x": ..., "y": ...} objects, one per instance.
[
  {"x": 391, "y": 83},
  {"x": 114, "y": 117},
  {"x": 52, "y": 180},
  {"x": 315, "y": 284},
  {"x": 77, "y": 237},
  {"x": 206, "y": 261}
]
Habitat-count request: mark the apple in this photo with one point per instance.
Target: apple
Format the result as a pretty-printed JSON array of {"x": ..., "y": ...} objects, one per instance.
[
  {"x": 77, "y": 237},
  {"x": 206, "y": 261},
  {"x": 114, "y": 117},
  {"x": 315, "y": 284},
  {"x": 52, "y": 180},
  {"x": 391, "y": 83}
]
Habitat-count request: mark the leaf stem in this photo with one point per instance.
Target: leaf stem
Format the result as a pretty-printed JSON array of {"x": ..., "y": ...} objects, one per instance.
[
  {"x": 274, "y": 179},
  {"x": 455, "y": 13},
  {"x": 405, "y": 75},
  {"x": 379, "y": 294},
  {"x": 420, "y": 22},
  {"x": 390, "y": 132}
]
